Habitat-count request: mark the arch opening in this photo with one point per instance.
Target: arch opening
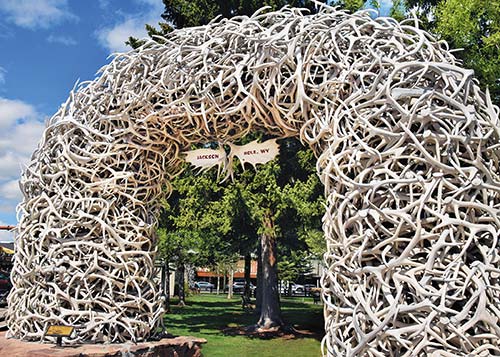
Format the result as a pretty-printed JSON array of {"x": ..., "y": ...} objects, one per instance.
[{"x": 407, "y": 148}]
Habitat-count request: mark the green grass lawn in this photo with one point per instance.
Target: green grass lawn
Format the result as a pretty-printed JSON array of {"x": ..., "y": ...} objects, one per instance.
[{"x": 214, "y": 318}]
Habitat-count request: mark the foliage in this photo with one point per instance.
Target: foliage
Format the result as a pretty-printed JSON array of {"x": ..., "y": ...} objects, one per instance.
[
  {"x": 350, "y": 5},
  {"x": 474, "y": 25},
  {"x": 288, "y": 190},
  {"x": 185, "y": 13},
  {"x": 217, "y": 222},
  {"x": 191, "y": 226},
  {"x": 424, "y": 10},
  {"x": 294, "y": 265},
  {"x": 398, "y": 10},
  {"x": 221, "y": 221},
  {"x": 241, "y": 230},
  {"x": 189, "y": 13}
]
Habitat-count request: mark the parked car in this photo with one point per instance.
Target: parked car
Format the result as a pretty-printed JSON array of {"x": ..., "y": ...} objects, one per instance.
[
  {"x": 204, "y": 285},
  {"x": 239, "y": 287},
  {"x": 297, "y": 289},
  {"x": 308, "y": 288}
]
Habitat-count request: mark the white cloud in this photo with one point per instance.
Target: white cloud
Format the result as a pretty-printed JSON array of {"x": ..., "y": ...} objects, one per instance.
[
  {"x": 8, "y": 207},
  {"x": 63, "y": 40},
  {"x": 36, "y": 13},
  {"x": 386, "y": 3},
  {"x": 10, "y": 190},
  {"x": 113, "y": 38},
  {"x": 10, "y": 163},
  {"x": 28, "y": 135},
  {"x": 13, "y": 110},
  {"x": 20, "y": 131}
]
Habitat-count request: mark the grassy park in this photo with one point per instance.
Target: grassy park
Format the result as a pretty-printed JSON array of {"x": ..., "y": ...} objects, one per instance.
[{"x": 221, "y": 322}]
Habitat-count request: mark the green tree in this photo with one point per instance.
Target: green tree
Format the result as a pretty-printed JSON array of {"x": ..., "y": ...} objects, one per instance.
[
  {"x": 265, "y": 198},
  {"x": 294, "y": 265},
  {"x": 470, "y": 25},
  {"x": 281, "y": 203},
  {"x": 190, "y": 225},
  {"x": 188, "y": 13},
  {"x": 256, "y": 197},
  {"x": 185, "y": 13},
  {"x": 284, "y": 198},
  {"x": 474, "y": 25},
  {"x": 305, "y": 203},
  {"x": 242, "y": 231},
  {"x": 350, "y": 5}
]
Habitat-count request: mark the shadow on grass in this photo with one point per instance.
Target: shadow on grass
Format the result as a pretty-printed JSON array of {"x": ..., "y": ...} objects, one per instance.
[{"x": 219, "y": 316}]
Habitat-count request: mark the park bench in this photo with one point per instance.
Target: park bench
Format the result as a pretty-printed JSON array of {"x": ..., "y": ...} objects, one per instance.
[
  {"x": 194, "y": 290},
  {"x": 247, "y": 303},
  {"x": 316, "y": 295}
]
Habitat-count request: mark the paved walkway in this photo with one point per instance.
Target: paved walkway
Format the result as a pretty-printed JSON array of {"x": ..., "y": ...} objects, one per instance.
[
  {"x": 183, "y": 346},
  {"x": 3, "y": 311}
]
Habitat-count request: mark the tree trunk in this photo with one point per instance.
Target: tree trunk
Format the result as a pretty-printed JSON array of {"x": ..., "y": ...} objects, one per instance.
[
  {"x": 182, "y": 293},
  {"x": 258, "y": 290},
  {"x": 248, "y": 266},
  {"x": 270, "y": 314},
  {"x": 218, "y": 282},
  {"x": 166, "y": 284},
  {"x": 230, "y": 290}
]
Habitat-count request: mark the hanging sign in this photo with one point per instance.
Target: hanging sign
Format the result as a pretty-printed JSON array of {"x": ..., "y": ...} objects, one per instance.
[
  {"x": 253, "y": 153},
  {"x": 206, "y": 158}
]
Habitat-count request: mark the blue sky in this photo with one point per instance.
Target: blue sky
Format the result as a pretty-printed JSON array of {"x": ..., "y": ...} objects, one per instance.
[{"x": 45, "y": 47}]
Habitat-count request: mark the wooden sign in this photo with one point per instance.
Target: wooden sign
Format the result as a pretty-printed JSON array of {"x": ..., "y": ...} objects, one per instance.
[
  {"x": 206, "y": 158},
  {"x": 59, "y": 331},
  {"x": 255, "y": 153}
]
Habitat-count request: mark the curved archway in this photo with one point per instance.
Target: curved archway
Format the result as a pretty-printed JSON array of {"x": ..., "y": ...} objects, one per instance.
[{"x": 408, "y": 154}]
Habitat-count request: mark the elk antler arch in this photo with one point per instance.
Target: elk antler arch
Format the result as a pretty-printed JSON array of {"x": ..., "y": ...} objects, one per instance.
[{"x": 408, "y": 151}]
